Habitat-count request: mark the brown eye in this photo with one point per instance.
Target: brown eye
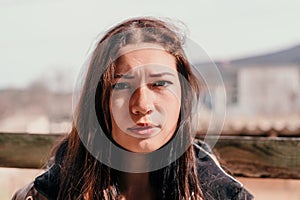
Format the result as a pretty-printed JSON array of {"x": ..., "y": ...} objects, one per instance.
[{"x": 161, "y": 84}]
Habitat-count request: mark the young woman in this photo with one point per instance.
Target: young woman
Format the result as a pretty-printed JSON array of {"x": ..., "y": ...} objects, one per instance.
[{"x": 132, "y": 135}]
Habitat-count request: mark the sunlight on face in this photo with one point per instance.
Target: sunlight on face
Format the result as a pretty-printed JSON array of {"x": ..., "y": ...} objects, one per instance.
[{"x": 145, "y": 100}]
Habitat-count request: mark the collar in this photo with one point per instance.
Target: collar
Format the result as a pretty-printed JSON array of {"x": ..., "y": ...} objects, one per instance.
[{"x": 48, "y": 183}]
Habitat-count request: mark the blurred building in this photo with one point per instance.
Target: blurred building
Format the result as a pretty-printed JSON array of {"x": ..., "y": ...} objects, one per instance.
[
  {"x": 264, "y": 85},
  {"x": 35, "y": 111},
  {"x": 265, "y": 88}
]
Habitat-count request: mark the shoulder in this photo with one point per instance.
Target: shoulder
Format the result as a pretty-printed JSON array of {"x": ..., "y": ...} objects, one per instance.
[
  {"x": 214, "y": 181},
  {"x": 44, "y": 187},
  {"x": 28, "y": 192}
]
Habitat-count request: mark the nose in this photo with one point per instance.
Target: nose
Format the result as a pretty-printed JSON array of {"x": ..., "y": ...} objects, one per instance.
[{"x": 141, "y": 101}]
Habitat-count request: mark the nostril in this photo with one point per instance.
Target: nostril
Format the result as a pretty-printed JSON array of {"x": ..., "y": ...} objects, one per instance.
[{"x": 142, "y": 111}]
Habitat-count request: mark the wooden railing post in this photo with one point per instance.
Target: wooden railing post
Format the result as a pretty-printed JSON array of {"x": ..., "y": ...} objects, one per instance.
[
  {"x": 272, "y": 157},
  {"x": 26, "y": 150}
]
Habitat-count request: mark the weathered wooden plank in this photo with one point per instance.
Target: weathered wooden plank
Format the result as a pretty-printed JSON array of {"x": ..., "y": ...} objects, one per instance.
[
  {"x": 273, "y": 157},
  {"x": 244, "y": 156},
  {"x": 25, "y": 150}
]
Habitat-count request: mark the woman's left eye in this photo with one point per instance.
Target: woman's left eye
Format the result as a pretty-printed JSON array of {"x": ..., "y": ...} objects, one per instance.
[{"x": 161, "y": 84}]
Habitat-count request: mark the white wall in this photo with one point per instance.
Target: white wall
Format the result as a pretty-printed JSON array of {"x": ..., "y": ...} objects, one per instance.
[{"x": 269, "y": 90}]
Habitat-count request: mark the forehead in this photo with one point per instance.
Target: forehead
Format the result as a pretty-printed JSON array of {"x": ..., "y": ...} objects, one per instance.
[{"x": 145, "y": 57}]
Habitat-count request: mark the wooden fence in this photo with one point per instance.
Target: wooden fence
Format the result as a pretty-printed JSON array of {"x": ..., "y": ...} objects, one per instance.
[{"x": 261, "y": 157}]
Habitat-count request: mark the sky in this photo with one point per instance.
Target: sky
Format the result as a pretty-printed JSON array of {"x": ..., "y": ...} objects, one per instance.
[{"x": 40, "y": 39}]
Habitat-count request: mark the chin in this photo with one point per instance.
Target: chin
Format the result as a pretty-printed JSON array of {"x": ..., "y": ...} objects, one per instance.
[{"x": 146, "y": 147}]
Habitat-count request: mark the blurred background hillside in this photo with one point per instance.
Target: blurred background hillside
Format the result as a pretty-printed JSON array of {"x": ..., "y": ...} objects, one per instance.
[{"x": 263, "y": 91}]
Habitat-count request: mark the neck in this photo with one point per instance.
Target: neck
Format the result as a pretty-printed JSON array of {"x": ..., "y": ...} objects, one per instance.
[
  {"x": 134, "y": 180},
  {"x": 136, "y": 186}
]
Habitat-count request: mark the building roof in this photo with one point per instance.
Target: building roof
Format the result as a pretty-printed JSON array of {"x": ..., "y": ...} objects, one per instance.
[{"x": 288, "y": 56}]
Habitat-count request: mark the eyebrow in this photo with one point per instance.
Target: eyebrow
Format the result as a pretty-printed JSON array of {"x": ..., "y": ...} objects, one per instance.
[
  {"x": 126, "y": 76},
  {"x": 162, "y": 74}
]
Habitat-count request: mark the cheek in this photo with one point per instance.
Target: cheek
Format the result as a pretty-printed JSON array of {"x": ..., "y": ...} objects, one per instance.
[
  {"x": 118, "y": 102},
  {"x": 119, "y": 110},
  {"x": 174, "y": 100},
  {"x": 171, "y": 105},
  {"x": 174, "y": 109}
]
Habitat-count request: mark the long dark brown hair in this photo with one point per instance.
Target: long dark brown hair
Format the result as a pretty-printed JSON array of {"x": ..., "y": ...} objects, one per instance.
[{"x": 82, "y": 175}]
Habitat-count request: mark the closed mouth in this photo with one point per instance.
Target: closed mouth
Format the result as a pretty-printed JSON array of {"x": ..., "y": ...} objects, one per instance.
[{"x": 144, "y": 130}]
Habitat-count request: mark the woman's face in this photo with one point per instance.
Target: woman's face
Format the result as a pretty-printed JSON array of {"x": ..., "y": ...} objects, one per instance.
[{"x": 145, "y": 99}]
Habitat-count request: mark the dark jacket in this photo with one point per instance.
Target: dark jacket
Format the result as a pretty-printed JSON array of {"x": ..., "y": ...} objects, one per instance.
[{"x": 215, "y": 183}]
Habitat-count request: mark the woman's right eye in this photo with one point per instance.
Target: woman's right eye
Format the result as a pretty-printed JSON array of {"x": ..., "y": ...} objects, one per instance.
[{"x": 121, "y": 86}]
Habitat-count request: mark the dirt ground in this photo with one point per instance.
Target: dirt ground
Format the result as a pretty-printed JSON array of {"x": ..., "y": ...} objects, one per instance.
[{"x": 275, "y": 189}]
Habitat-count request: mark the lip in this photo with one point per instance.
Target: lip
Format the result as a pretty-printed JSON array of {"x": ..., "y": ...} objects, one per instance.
[{"x": 144, "y": 130}]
